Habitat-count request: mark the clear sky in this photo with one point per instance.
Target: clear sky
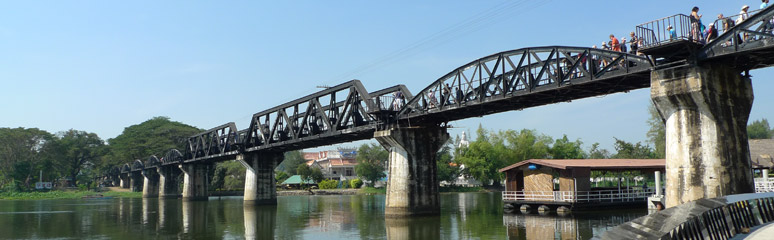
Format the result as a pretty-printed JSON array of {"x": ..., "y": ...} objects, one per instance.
[{"x": 100, "y": 66}]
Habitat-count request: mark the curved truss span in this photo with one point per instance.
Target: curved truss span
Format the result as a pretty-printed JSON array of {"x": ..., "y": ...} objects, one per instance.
[
  {"x": 138, "y": 165},
  {"x": 750, "y": 44},
  {"x": 173, "y": 156},
  {"x": 126, "y": 168},
  {"x": 527, "y": 77},
  {"x": 152, "y": 162}
]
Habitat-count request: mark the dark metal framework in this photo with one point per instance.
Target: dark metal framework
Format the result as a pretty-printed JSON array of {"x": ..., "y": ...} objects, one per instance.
[
  {"x": 218, "y": 141},
  {"x": 525, "y": 78},
  {"x": 748, "y": 45},
  {"x": 336, "y": 114},
  {"x": 152, "y": 162},
  {"x": 138, "y": 165},
  {"x": 126, "y": 168},
  {"x": 173, "y": 156}
]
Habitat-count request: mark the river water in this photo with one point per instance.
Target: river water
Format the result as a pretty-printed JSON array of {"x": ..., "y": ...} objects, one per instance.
[{"x": 464, "y": 216}]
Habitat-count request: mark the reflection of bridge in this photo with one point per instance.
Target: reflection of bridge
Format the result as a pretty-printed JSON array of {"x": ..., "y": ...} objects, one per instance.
[{"x": 698, "y": 89}]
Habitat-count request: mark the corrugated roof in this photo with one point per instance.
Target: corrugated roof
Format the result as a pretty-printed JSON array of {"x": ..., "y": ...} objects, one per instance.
[
  {"x": 592, "y": 163},
  {"x": 762, "y": 153},
  {"x": 296, "y": 179}
]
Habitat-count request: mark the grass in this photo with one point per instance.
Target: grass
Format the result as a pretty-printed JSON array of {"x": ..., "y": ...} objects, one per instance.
[
  {"x": 461, "y": 189},
  {"x": 63, "y": 195},
  {"x": 373, "y": 190}
]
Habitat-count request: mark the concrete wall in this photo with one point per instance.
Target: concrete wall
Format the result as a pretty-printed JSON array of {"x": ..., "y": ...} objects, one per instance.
[
  {"x": 259, "y": 179},
  {"x": 705, "y": 109}
]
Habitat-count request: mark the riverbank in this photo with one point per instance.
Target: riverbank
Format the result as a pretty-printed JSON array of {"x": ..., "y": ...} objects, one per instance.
[{"x": 64, "y": 195}]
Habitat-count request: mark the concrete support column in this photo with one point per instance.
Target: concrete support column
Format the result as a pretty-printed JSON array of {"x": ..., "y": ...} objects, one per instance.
[
  {"x": 150, "y": 188},
  {"x": 137, "y": 181},
  {"x": 124, "y": 180},
  {"x": 260, "y": 184},
  {"x": 194, "y": 181},
  {"x": 765, "y": 173},
  {"x": 168, "y": 184},
  {"x": 705, "y": 109},
  {"x": 658, "y": 183},
  {"x": 412, "y": 188}
]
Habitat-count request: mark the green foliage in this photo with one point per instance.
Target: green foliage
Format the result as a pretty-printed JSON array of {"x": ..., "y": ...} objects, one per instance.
[
  {"x": 309, "y": 173},
  {"x": 344, "y": 184},
  {"x": 657, "y": 132},
  {"x": 491, "y": 152},
  {"x": 759, "y": 129},
  {"x": 281, "y": 176},
  {"x": 373, "y": 190},
  {"x": 460, "y": 189},
  {"x": 328, "y": 184},
  {"x": 627, "y": 150},
  {"x": 77, "y": 151},
  {"x": 356, "y": 183},
  {"x": 23, "y": 153},
  {"x": 596, "y": 153},
  {"x": 371, "y": 160},
  {"x": 445, "y": 170},
  {"x": 64, "y": 195},
  {"x": 152, "y": 137},
  {"x": 290, "y": 163},
  {"x": 564, "y": 149}
]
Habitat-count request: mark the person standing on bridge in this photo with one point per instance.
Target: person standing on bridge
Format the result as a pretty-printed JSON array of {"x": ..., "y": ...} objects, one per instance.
[
  {"x": 712, "y": 32},
  {"x": 695, "y": 25},
  {"x": 743, "y": 16},
  {"x": 614, "y": 44},
  {"x": 634, "y": 43}
]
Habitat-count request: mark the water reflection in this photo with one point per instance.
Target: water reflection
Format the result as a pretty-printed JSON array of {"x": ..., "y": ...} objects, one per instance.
[
  {"x": 259, "y": 221},
  {"x": 571, "y": 226},
  {"x": 463, "y": 216}
]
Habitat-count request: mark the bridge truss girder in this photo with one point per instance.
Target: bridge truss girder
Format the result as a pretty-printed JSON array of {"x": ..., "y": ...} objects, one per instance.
[
  {"x": 524, "y": 78},
  {"x": 748, "y": 45}
]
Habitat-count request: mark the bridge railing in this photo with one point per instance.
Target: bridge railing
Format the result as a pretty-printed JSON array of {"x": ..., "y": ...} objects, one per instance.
[
  {"x": 658, "y": 32},
  {"x": 622, "y": 195},
  {"x": 764, "y": 185},
  {"x": 714, "y": 218}
]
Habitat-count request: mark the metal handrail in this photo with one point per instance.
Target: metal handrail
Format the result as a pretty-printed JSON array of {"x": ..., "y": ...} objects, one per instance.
[
  {"x": 709, "y": 218},
  {"x": 656, "y": 32},
  {"x": 623, "y": 195}
]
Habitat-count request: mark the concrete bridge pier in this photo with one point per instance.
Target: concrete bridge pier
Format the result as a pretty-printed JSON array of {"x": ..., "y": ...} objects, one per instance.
[
  {"x": 136, "y": 181},
  {"x": 150, "y": 188},
  {"x": 125, "y": 180},
  {"x": 412, "y": 188},
  {"x": 705, "y": 109},
  {"x": 260, "y": 184},
  {"x": 194, "y": 181},
  {"x": 168, "y": 184}
]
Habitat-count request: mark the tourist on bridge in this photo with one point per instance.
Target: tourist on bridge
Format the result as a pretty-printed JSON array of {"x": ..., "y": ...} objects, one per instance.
[
  {"x": 672, "y": 33},
  {"x": 743, "y": 16},
  {"x": 696, "y": 26},
  {"x": 614, "y": 44},
  {"x": 623, "y": 45},
  {"x": 634, "y": 43},
  {"x": 712, "y": 32}
]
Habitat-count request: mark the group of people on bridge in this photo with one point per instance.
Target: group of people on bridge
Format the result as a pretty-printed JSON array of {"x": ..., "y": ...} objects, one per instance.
[{"x": 705, "y": 34}]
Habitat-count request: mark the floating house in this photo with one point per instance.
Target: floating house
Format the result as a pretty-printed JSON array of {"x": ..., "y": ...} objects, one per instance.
[{"x": 564, "y": 184}]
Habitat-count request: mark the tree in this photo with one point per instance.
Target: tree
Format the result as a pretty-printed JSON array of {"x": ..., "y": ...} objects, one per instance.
[
  {"x": 281, "y": 176},
  {"x": 305, "y": 172},
  {"x": 371, "y": 162},
  {"x": 596, "y": 153},
  {"x": 23, "y": 155},
  {"x": 445, "y": 170},
  {"x": 759, "y": 129},
  {"x": 77, "y": 151},
  {"x": 627, "y": 150},
  {"x": 657, "y": 132},
  {"x": 564, "y": 149},
  {"x": 291, "y": 161},
  {"x": 155, "y": 136}
]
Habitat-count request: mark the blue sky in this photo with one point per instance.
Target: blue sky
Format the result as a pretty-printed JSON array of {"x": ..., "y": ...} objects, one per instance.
[{"x": 100, "y": 66}]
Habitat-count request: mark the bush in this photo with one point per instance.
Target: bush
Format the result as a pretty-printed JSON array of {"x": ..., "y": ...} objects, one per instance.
[
  {"x": 344, "y": 184},
  {"x": 356, "y": 183},
  {"x": 328, "y": 184}
]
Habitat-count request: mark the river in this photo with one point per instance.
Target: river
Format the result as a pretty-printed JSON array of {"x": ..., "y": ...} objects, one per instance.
[{"x": 463, "y": 216}]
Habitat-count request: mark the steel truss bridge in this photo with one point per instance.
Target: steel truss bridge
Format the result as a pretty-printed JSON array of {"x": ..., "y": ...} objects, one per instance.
[{"x": 505, "y": 81}]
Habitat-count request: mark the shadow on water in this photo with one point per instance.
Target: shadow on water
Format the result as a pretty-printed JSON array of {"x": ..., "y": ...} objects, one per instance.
[{"x": 463, "y": 216}]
